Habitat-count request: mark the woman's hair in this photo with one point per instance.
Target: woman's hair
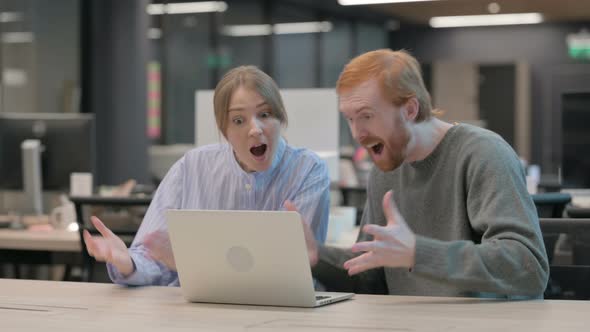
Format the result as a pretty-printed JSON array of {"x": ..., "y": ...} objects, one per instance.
[
  {"x": 249, "y": 77},
  {"x": 398, "y": 74}
]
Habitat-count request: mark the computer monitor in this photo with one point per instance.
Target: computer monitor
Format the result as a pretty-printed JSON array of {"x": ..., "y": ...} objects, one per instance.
[{"x": 68, "y": 145}]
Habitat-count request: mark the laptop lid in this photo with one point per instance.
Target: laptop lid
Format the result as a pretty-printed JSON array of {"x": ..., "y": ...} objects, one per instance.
[{"x": 242, "y": 257}]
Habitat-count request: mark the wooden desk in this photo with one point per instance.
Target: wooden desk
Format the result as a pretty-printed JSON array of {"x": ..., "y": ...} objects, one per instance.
[
  {"x": 56, "y": 240},
  {"x": 57, "y": 247},
  {"x": 60, "y": 306}
]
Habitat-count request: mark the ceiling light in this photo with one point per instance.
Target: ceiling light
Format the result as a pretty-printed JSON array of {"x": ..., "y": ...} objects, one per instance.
[
  {"x": 279, "y": 29},
  {"x": 481, "y": 20},
  {"x": 247, "y": 30},
  {"x": 374, "y": 2},
  {"x": 302, "y": 27},
  {"x": 17, "y": 37},
  {"x": 6, "y": 17},
  {"x": 187, "y": 7}
]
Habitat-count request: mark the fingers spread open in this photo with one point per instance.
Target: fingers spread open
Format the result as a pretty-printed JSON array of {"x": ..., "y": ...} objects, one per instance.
[
  {"x": 391, "y": 211},
  {"x": 89, "y": 242},
  {"x": 102, "y": 229},
  {"x": 361, "y": 263},
  {"x": 377, "y": 231},
  {"x": 364, "y": 246}
]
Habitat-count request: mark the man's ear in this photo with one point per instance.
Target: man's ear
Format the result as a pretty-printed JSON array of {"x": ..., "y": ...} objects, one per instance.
[{"x": 411, "y": 108}]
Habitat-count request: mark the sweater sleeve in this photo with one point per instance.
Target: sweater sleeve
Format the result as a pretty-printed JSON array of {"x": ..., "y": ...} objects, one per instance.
[{"x": 510, "y": 259}]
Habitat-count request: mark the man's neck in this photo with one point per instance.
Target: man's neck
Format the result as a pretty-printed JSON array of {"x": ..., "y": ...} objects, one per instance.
[{"x": 426, "y": 136}]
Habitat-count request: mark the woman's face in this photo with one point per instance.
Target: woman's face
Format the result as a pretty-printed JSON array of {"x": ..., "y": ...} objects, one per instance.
[{"x": 252, "y": 130}]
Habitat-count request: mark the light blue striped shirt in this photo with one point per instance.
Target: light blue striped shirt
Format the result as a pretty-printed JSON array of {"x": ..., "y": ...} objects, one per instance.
[{"x": 210, "y": 178}]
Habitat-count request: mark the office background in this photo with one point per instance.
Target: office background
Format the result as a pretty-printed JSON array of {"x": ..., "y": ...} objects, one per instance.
[
  {"x": 138, "y": 72},
  {"x": 135, "y": 67}
]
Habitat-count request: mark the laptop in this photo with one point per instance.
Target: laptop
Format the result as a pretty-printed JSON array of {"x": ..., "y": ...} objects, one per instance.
[{"x": 244, "y": 257}]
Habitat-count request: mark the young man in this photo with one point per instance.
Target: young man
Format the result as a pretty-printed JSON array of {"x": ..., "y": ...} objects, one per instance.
[{"x": 447, "y": 211}]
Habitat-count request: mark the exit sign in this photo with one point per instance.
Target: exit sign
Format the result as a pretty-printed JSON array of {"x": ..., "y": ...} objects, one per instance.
[{"x": 578, "y": 45}]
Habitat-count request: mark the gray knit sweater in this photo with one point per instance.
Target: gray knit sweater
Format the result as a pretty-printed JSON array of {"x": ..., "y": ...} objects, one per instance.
[{"x": 476, "y": 226}]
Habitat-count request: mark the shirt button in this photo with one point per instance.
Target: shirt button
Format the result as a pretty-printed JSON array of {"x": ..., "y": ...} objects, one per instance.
[{"x": 248, "y": 186}]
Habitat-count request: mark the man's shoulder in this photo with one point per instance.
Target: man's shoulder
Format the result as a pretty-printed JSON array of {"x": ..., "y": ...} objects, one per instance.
[
  {"x": 482, "y": 142},
  {"x": 474, "y": 134},
  {"x": 480, "y": 147}
]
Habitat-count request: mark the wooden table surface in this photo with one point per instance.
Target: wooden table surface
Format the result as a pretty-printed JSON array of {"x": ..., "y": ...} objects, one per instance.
[{"x": 60, "y": 306}]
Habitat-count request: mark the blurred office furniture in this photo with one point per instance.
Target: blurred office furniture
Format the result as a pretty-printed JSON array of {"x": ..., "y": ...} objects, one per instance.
[
  {"x": 355, "y": 196},
  {"x": 39, "y": 151},
  {"x": 354, "y": 173},
  {"x": 551, "y": 205},
  {"x": 24, "y": 247},
  {"x": 580, "y": 241},
  {"x": 162, "y": 157},
  {"x": 580, "y": 196},
  {"x": 495, "y": 96},
  {"x": 577, "y": 212},
  {"x": 569, "y": 281},
  {"x": 551, "y": 182},
  {"x": 549, "y": 185},
  {"x": 123, "y": 228},
  {"x": 575, "y": 137},
  {"x": 342, "y": 226},
  {"x": 313, "y": 123}
]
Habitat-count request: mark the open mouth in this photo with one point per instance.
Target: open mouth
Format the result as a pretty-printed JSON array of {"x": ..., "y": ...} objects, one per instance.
[
  {"x": 377, "y": 148},
  {"x": 258, "y": 150}
]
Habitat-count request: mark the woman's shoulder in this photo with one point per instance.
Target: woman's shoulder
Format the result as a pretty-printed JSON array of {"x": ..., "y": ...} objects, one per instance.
[
  {"x": 302, "y": 155},
  {"x": 208, "y": 151}
]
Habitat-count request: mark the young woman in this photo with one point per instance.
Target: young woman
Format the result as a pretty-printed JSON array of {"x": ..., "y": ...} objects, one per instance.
[{"x": 257, "y": 170}]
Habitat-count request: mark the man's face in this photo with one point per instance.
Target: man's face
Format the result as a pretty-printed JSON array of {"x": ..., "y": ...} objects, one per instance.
[
  {"x": 252, "y": 130},
  {"x": 376, "y": 124}
]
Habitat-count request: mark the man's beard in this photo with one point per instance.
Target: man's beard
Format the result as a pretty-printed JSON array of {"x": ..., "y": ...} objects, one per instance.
[{"x": 396, "y": 147}]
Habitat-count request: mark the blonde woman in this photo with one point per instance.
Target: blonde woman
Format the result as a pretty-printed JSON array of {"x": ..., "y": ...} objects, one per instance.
[{"x": 256, "y": 170}]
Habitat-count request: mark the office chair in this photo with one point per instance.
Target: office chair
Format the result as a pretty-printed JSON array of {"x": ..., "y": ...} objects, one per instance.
[
  {"x": 127, "y": 233},
  {"x": 577, "y": 211},
  {"x": 569, "y": 281},
  {"x": 551, "y": 205}
]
